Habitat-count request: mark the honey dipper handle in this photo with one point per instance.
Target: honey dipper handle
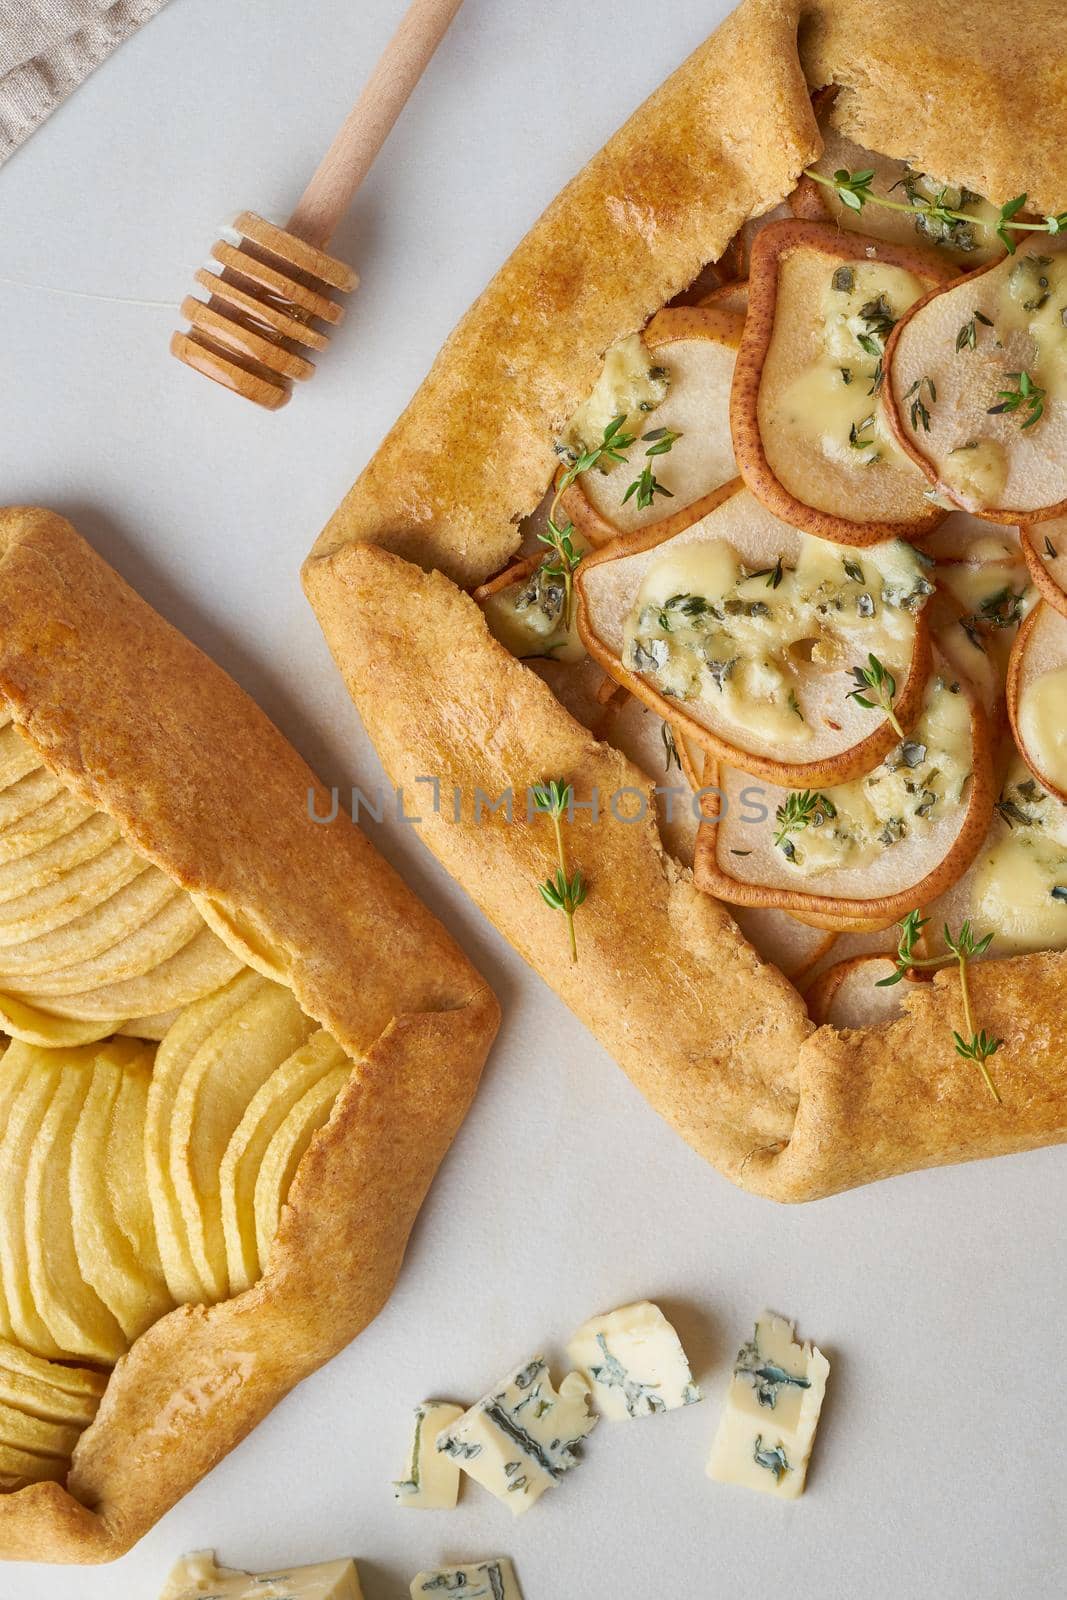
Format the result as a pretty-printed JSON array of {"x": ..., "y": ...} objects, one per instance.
[{"x": 367, "y": 126}]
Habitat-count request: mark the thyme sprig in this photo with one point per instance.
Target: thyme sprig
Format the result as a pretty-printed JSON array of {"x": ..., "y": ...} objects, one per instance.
[
  {"x": 967, "y": 338},
  {"x": 978, "y": 1045},
  {"x": 563, "y": 891},
  {"x": 647, "y": 486},
  {"x": 802, "y": 808},
  {"x": 854, "y": 190},
  {"x": 875, "y": 690},
  {"x": 1025, "y": 393},
  {"x": 920, "y": 416},
  {"x": 558, "y": 535}
]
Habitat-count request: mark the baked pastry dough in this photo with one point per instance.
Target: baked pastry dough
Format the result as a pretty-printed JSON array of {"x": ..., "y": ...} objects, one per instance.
[
  {"x": 236, "y": 1050},
  {"x": 716, "y": 1037}
]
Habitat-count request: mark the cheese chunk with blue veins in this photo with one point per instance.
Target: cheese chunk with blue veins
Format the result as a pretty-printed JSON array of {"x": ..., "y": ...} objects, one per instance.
[
  {"x": 634, "y": 1362},
  {"x": 772, "y": 1410},
  {"x": 475, "y": 1580},
  {"x": 197, "y": 1577},
  {"x": 520, "y": 1439},
  {"x": 432, "y": 1482}
]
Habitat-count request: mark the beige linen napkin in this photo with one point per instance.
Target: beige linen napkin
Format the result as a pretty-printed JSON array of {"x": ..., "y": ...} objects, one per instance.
[{"x": 47, "y": 47}]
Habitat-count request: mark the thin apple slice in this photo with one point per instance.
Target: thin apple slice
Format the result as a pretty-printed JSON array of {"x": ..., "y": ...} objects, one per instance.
[
  {"x": 976, "y": 387},
  {"x": 48, "y": 1389},
  {"x": 36, "y": 811},
  {"x": 697, "y": 348},
  {"x": 966, "y": 244},
  {"x": 18, "y": 1468},
  {"x": 14, "y": 1066},
  {"x": 39, "y": 1079},
  {"x": 792, "y": 946},
  {"x": 217, "y": 1085},
  {"x": 106, "y": 941},
  {"x": 810, "y": 434},
  {"x": 1044, "y": 549},
  {"x": 43, "y": 865},
  {"x": 286, "y": 1150},
  {"x": 109, "y": 1187},
  {"x": 870, "y": 850},
  {"x": 847, "y": 995},
  {"x": 68, "y": 896},
  {"x": 18, "y": 758},
  {"x": 759, "y": 668},
  {"x": 1017, "y": 887},
  {"x": 20, "y": 1430},
  {"x": 74, "y": 1314},
  {"x": 1037, "y": 697},
  {"x": 156, "y": 1027},
  {"x": 199, "y": 967},
  {"x": 266, "y": 1112},
  {"x": 194, "y": 1028}
]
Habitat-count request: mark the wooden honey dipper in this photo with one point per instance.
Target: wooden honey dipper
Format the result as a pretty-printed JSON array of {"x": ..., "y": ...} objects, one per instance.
[{"x": 271, "y": 299}]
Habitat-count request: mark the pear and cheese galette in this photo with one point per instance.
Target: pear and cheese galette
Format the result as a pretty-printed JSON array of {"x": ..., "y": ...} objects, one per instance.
[
  {"x": 725, "y": 550},
  {"x": 234, "y": 1050}
]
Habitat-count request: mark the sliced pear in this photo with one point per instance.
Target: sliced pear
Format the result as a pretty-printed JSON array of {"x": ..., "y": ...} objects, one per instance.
[
  {"x": 872, "y": 849},
  {"x": 241, "y": 1165},
  {"x": 976, "y": 387},
  {"x": 660, "y": 750},
  {"x": 1044, "y": 549},
  {"x": 728, "y": 297},
  {"x": 759, "y": 668},
  {"x": 48, "y": 1389},
  {"x": 792, "y": 946},
  {"x": 967, "y": 244},
  {"x": 77, "y": 1319},
  {"x": 1017, "y": 887},
  {"x": 697, "y": 348},
  {"x": 218, "y": 1083},
  {"x": 1037, "y": 697},
  {"x": 737, "y": 258},
  {"x": 199, "y": 967},
  {"x": 193, "y": 1029},
  {"x": 112, "y": 1217},
  {"x": 39, "y": 1079},
  {"x": 810, "y": 434},
  {"x": 847, "y": 995},
  {"x": 286, "y": 1150},
  {"x": 879, "y": 942},
  {"x": 577, "y": 686}
]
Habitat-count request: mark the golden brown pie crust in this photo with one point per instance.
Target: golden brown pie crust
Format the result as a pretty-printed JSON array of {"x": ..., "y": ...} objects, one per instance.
[
  {"x": 138, "y": 722},
  {"x": 719, "y": 1042}
]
